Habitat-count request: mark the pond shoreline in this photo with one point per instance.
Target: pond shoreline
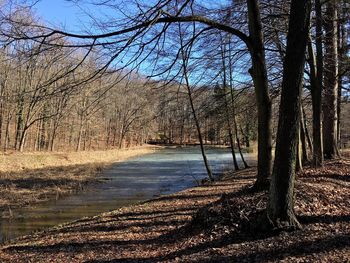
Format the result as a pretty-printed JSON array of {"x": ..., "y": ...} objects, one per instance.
[{"x": 163, "y": 171}]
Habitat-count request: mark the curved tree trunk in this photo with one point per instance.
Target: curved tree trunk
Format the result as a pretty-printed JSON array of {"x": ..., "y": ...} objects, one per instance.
[
  {"x": 195, "y": 118},
  {"x": 280, "y": 209},
  {"x": 233, "y": 108},
  {"x": 259, "y": 76}
]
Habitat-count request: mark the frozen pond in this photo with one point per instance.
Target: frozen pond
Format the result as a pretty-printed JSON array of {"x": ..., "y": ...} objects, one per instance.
[{"x": 167, "y": 171}]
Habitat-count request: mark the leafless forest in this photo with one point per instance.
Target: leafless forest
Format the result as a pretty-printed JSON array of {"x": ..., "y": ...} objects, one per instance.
[{"x": 270, "y": 77}]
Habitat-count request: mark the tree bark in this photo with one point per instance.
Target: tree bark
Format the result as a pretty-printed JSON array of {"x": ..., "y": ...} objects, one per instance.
[
  {"x": 237, "y": 139},
  {"x": 330, "y": 83},
  {"x": 280, "y": 209},
  {"x": 200, "y": 138},
  {"x": 195, "y": 118},
  {"x": 303, "y": 136},
  {"x": 259, "y": 76},
  {"x": 234, "y": 108},
  {"x": 307, "y": 134},
  {"x": 227, "y": 111},
  {"x": 316, "y": 97},
  {"x": 7, "y": 131},
  {"x": 342, "y": 58},
  {"x": 80, "y": 134}
]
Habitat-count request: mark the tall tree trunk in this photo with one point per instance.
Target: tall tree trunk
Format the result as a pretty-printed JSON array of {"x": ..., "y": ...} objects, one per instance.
[
  {"x": 316, "y": 97},
  {"x": 306, "y": 130},
  {"x": 80, "y": 134},
  {"x": 304, "y": 154},
  {"x": 19, "y": 123},
  {"x": 122, "y": 134},
  {"x": 108, "y": 133},
  {"x": 280, "y": 209},
  {"x": 299, "y": 157},
  {"x": 54, "y": 133},
  {"x": 37, "y": 136},
  {"x": 7, "y": 131},
  {"x": 259, "y": 76},
  {"x": 317, "y": 104},
  {"x": 232, "y": 144},
  {"x": 246, "y": 134},
  {"x": 227, "y": 111},
  {"x": 195, "y": 118},
  {"x": 237, "y": 139},
  {"x": 330, "y": 82},
  {"x": 22, "y": 139},
  {"x": 234, "y": 108},
  {"x": 342, "y": 53}
]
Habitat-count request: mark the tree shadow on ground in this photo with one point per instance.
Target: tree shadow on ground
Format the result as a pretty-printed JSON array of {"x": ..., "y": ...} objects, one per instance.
[
  {"x": 252, "y": 246},
  {"x": 327, "y": 219},
  {"x": 301, "y": 248},
  {"x": 340, "y": 177},
  {"x": 143, "y": 221}
]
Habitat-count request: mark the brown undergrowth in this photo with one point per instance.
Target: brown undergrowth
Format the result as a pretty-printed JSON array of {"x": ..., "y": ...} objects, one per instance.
[
  {"x": 29, "y": 178},
  {"x": 205, "y": 224}
]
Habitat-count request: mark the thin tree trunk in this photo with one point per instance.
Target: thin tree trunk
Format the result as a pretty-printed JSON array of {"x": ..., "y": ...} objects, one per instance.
[
  {"x": 54, "y": 133},
  {"x": 227, "y": 111},
  {"x": 121, "y": 137},
  {"x": 22, "y": 140},
  {"x": 304, "y": 154},
  {"x": 37, "y": 137},
  {"x": 305, "y": 158},
  {"x": 80, "y": 135},
  {"x": 206, "y": 163},
  {"x": 232, "y": 145},
  {"x": 189, "y": 93},
  {"x": 234, "y": 108},
  {"x": 108, "y": 134},
  {"x": 238, "y": 141},
  {"x": 306, "y": 130},
  {"x": 7, "y": 131},
  {"x": 299, "y": 157},
  {"x": 19, "y": 126}
]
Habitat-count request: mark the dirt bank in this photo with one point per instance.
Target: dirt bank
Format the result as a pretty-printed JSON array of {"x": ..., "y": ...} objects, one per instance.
[{"x": 203, "y": 225}]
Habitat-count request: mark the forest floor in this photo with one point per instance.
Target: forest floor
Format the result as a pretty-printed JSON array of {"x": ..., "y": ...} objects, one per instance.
[
  {"x": 29, "y": 178},
  {"x": 209, "y": 223}
]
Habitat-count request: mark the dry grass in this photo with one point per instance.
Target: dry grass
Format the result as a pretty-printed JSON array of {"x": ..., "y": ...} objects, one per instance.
[
  {"x": 14, "y": 162},
  {"x": 28, "y": 178}
]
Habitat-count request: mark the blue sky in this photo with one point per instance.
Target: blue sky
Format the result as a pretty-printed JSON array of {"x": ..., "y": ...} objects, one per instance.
[
  {"x": 61, "y": 13},
  {"x": 73, "y": 18}
]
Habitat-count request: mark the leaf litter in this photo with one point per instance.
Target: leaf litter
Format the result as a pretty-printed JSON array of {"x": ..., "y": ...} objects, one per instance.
[{"x": 209, "y": 223}]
